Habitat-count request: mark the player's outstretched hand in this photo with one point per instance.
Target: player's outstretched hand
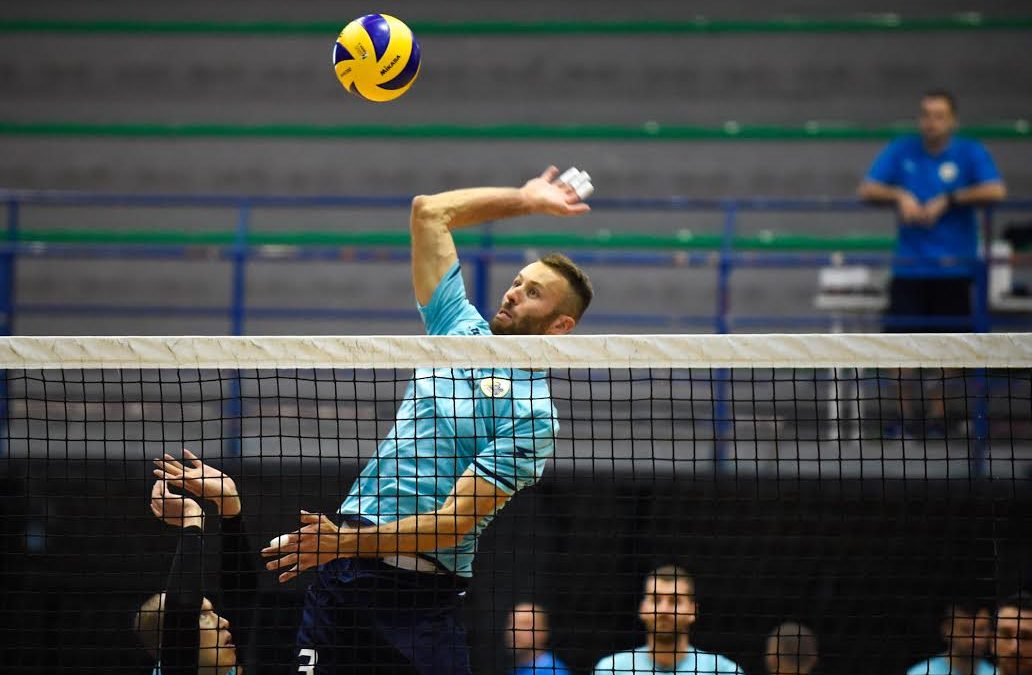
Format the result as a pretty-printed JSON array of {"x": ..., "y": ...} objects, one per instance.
[
  {"x": 173, "y": 509},
  {"x": 318, "y": 541},
  {"x": 201, "y": 480},
  {"x": 548, "y": 194}
]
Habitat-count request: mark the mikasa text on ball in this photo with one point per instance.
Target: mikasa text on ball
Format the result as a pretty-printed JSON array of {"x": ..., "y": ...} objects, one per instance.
[{"x": 376, "y": 57}]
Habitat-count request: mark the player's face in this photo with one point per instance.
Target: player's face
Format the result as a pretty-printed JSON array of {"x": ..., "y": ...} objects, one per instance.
[
  {"x": 668, "y": 608},
  {"x": 217, "y": 651},
  {"x": 969, "y": 636},
  {"x": 1013, "y": 643},
  {"x": 526, "y": 629},
  {"x": 531, "y": 305},
  {"x": 936, "y": 120}
]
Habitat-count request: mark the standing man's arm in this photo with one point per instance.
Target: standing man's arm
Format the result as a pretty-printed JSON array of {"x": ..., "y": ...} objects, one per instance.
[
  {"x": 884, "y": 184},
  {"x": 980, "y": 194},
  {"x": 907, "y": 205},
  {"x": 435, "y": 216}
]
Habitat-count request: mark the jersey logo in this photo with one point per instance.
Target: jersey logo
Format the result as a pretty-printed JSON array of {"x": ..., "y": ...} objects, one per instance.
[
  {"x": 495, "y": 386},
  {"x": 948, "y": 172}
]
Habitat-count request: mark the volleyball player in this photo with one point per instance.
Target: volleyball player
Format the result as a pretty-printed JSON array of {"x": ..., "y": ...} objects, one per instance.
[
  {"x": 179, "y": 626},
  {"x": 387, "y": 595},
  {"x": 668, "y": 610}
]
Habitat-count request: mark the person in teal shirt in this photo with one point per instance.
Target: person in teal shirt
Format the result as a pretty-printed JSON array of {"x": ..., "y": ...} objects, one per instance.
[
  {"x": 668, "y": 610},
  {"x": 393, "y": 574},
  {"x": 527, "y": 635},
  {"x": 967, "y": 630}
]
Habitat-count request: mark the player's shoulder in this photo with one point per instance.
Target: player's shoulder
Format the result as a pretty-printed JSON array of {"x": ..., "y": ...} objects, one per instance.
[
  {"x": 708, "y": 662},
  {"x": 620, "y": 662},
  {"x": 932, "y": 666},
  {"x": 906, "y": 145},
  {"x": 968, "y": 147}
]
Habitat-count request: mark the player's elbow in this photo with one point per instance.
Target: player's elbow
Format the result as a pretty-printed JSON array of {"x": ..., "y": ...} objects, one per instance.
[
  {"x": 998, "y": 192},
  {"x": 424, "y": 211},
  {"x": 866, "y": 190}
]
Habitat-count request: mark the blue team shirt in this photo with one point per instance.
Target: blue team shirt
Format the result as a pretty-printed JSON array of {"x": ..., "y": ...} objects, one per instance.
[
  {"x": 639, "y": 662},
  {"x": 546, "y": 663},
  {"x": 964, "y": 163},
  {"x": 499, "y": 421},
  {"x": 940, "y": 665}
]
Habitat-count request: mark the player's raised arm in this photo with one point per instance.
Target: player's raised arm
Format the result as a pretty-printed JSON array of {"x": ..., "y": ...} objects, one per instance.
[{"x": 435, "y": 216}]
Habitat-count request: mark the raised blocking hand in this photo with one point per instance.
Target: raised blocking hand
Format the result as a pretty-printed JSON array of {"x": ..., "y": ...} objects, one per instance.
[{"x": 201, "y": 480}]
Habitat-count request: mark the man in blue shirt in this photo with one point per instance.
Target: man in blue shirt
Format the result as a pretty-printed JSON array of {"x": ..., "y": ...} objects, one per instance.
[
  {"x": 934, "y": 180},
  {"x": 527, "y": 634},
  {"x": 388, "y": 592},
  {"x": 668, "y": 610},
  {"x": 966, "y": 630}
]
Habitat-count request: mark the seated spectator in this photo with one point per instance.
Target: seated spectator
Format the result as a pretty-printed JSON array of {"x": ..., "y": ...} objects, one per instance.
[
  {"x": 527, "y": 635},
  {"x": 966, "y": 630},
  {"x": 1013, "y": 640},
  {"x": 668, "y": 610},
  {"x": 791, "y": 650}
]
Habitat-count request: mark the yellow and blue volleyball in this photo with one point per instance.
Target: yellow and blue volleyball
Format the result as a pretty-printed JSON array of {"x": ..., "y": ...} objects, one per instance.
[{"x": 376, "y": 57}]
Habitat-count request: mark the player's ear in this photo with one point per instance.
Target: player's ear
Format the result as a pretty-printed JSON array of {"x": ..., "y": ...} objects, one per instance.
[{"x": 561, "y": 325}]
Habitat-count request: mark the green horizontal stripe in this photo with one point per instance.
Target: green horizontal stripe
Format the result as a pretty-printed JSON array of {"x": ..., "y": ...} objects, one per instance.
[
  {"x": 859, "y": 24},
  {"x": 1014, "y": 130},
  {"x": 564, "y": 240}
]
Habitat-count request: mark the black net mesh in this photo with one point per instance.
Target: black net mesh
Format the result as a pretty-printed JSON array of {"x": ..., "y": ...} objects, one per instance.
[{"x": 859, "y": 502}]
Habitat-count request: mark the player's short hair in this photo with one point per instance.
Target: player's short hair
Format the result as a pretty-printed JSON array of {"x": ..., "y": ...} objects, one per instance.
[
  {"x": 967, "y": 608},
  {"x": 1022, "y": 600},
  {"x": 795, "y": 644},
  {"x": 579, "y": 283},
  {"x": 671, "y": 572},
  {"x": 945, "y": 95},
  {"x": 148, "y": 622}
]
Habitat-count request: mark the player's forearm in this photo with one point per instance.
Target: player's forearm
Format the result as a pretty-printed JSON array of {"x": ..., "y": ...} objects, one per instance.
[
  {"x": 471, "y": 206},
  {"x": 879, "y": 192},
  {"x": 980, "y": 194},
  {"x": 415, "y": 534}
]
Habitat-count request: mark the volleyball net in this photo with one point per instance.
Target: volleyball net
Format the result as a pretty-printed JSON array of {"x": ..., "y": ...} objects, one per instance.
[{"x": 857, "y": 484}]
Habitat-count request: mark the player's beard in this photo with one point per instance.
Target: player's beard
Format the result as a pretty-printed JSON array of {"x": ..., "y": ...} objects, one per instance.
[{"x": 523, "y": 325}]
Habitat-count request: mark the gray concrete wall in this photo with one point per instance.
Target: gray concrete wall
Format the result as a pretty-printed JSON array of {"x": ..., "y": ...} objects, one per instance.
[{"x": 871, "y": 79}]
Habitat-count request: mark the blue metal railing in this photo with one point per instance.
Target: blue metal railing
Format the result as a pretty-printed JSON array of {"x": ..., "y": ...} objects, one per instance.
[{"x": 240, "y": 254}]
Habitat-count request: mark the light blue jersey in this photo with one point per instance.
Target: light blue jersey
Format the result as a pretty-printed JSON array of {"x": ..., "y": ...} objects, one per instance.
[
  {"x": 940, "y": 665},
  {"x": 694, "y": 662},
  {"x": 499, "y": 421}
]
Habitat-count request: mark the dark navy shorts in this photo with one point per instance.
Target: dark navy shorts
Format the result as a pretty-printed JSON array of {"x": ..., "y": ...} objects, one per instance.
[
  {"x": 364, "y": 616},
  {"x": 929, "y": 301}
]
